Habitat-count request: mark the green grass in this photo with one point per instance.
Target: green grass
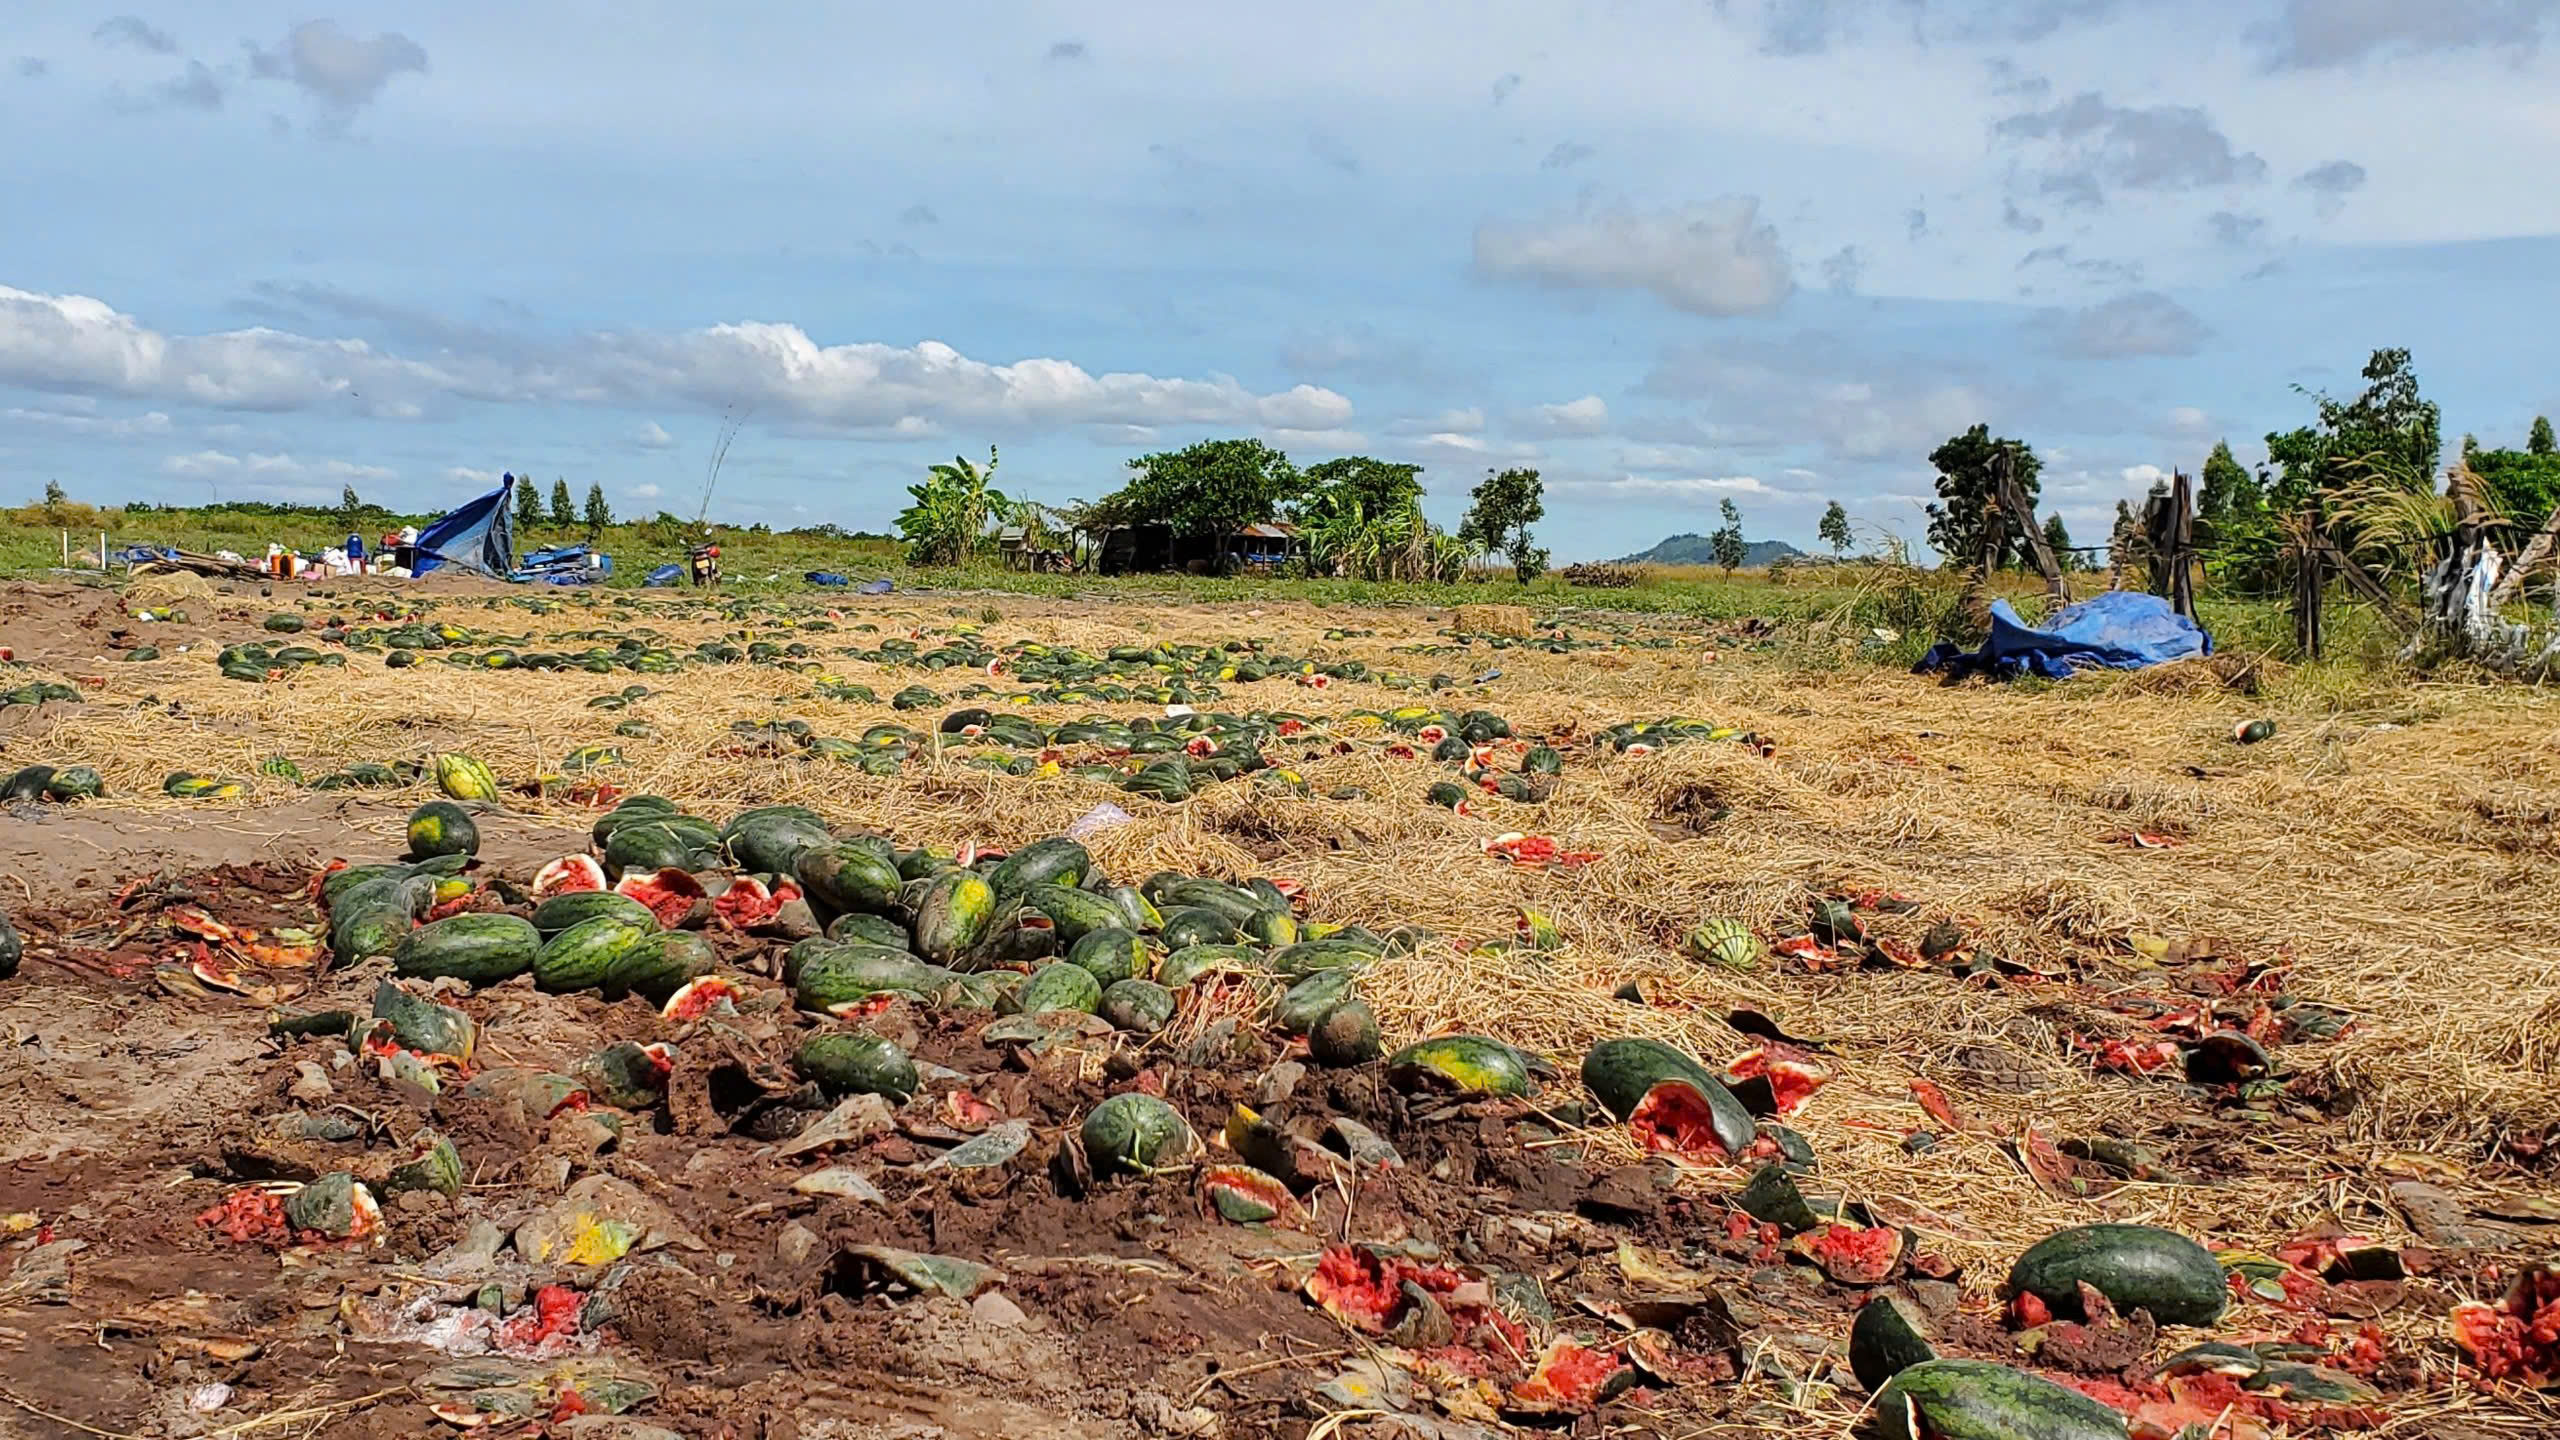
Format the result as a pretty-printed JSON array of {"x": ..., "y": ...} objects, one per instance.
[{"x": 1827, "y": 616}]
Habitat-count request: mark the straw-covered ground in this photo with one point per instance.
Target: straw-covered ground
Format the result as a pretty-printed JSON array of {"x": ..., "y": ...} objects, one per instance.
[{"x": 2393, "y": 861}]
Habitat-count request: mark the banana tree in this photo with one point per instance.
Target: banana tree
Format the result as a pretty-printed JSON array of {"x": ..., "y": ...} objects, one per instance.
[{"x": 953, "y": 508}]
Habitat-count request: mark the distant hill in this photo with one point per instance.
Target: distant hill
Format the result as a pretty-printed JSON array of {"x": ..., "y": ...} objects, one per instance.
[{"x": 1698, "y": 550}]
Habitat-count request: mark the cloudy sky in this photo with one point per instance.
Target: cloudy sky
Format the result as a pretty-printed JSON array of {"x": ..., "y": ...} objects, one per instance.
[{"x": 1667, "y": 251}]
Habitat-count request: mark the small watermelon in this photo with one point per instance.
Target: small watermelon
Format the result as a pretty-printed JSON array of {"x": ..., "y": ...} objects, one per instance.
[{"x": 441, "y": 827}]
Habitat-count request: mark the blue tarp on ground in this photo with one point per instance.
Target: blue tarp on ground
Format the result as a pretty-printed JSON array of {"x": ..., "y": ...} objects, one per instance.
[
  {"x": 664, "y": 576},
  {"x": 479, "y": 536},
  {"x": 2119, "y": 630},
  {"x": 827, "y": 577}
]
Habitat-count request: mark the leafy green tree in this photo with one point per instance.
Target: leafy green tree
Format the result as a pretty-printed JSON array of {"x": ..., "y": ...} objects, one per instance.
[
  {"x": 1959, "y": 528},
  {"x": 2524, "y": 484},
  {"x": 1362, "y": 518},
  {"x": 2540, "y": 442},
  {"x": 1507, "y": 503},
  {"x": 2124, "y": 537},
  {"x": 528, "y": 504},
  {"x": 2234, "y": 526},
  {"x": 564, "y": 511},
  {"x": 350, "y": 505},
  {"x": 952, "y": 509},
  {"x": 1382, "y": 487},
  {"x": 53, "y": 496},
  {"x": 1213, "y": 488},
  {"x": 598, "y": 514},
  {"x": 1726, "y": 542},
  {"x": 2057, "y": 538},
  {"x": 1834, "y": 529},
  {"x": 2389, "y": 433}
]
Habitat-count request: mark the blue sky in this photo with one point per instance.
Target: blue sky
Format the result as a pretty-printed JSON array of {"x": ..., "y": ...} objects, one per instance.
[{"x": 1666, "y": 252}]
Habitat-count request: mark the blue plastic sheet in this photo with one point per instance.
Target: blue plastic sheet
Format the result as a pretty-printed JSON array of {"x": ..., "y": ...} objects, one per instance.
[
  {"x": 2119, "y": 630},
  {"x": 664, "y": 576},
  {"x": 827, "y": 578}
]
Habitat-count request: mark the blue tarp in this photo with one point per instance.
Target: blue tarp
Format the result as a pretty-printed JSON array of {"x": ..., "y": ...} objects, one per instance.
[
  {"x": 874, "y": 587},
  {"x": 479, "y": 536},
  {"x": 2119, "y": 630},
  {"x": 664, "y": 576},
  {"x": 827, "y": 577}
]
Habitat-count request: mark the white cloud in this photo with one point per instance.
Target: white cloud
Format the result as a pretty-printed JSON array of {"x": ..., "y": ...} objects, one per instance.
[
  {"x": 79, "y": 345},
  {"x": 466, "y": 475},
  {"x": 1469, "y": 421},
  {"x": 654, "y": 436},
  {"x": 1669, "y": 486},
  {"x": 1586, "y": 416},
  {"x": 153, "y": 422},
  {"x": 1713, "y": 259},
  {"x": 280, "y": 474},
  {"x": 2189, "y": 420},
  {"x": 1344, "y": 440},
  {"x": 643, "y": 492},
  {"x": 2143, "y": 477}
]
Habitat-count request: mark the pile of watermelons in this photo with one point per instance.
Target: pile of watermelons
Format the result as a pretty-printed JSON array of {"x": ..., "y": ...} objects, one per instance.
[{"x": 1049, "y": 942}]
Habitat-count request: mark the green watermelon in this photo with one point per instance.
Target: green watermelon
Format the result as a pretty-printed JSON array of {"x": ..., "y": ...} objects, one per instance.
[
  {"x": 481, "y": 949},
  {"x": 1467, "y": 1064},
  {"x": 1056, "y": 986},
  {"x": 658, "y": 965},
  {"x": 956, "y": 912},
  {"x": 576, "y": 907},
  {"x": 441, "y": 827},
  {"x": 1112, "y": 954},
  {"x": 1977, "y": 1400},
  {"x": 851, "y": 1062},
  {"x": 2138, "y": 1267},
  {"x": 1134, "y": 1133},
  {"x": 576, "y": 958}
]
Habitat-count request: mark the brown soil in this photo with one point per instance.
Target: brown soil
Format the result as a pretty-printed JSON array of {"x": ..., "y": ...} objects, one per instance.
[{"x": 139, "y": 1099}]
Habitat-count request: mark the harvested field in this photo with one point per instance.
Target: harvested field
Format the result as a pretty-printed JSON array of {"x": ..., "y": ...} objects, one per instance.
[{"x": 2060, "y": 910}]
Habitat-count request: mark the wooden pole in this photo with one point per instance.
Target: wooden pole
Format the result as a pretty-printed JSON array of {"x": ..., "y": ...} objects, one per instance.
[{"x": 2182, "y": 535}]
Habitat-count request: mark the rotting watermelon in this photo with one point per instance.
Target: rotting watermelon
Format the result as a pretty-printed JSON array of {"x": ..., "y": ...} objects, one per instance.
[
  {"x": 1570, "y": 1378},
  {"x": 659, "y": 965},
  {"x": 566, "y": 875},
  {"x": 670, "y": 895},
  {"x": 1627, "y": 1075},
  {"x": 1776, "y": 1079},
  {"x": 703, "y": 995},
  {"x": 1852, "y": 1254},
  {"x": 1245, "y": 1195},
  {"x": 2518, "y": 1338}
]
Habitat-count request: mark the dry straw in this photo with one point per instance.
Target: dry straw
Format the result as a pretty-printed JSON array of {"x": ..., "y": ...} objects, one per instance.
[{"x": 2398, "y": 862}]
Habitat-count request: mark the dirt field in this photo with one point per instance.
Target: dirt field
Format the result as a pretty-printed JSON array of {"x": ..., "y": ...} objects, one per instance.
[{"x": 2116, "y": 887}]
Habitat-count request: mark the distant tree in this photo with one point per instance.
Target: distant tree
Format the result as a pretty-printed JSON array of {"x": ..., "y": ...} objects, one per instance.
[
  {"x": 528, "y": 504},
  {"x": 1213, "y": 488},
  {"x": 2525, "y": 484},
  {"x": 1727, "y": 539},
  {"x": 2121, "y": 540},
  {"x": 2389, "y": 433},
  {"x": 2057, "y": 538},
  {"x": 1960, "y": 528},
  {"x": 564, "y": 511},
  {"x": 2234, "y": 525},
  {"x": 598, "y": 514},
  {"x": 350, "y": 505},
  {"x": 1507, "y": 503},
  {"x": 1362, "y": 518},
  {"x": 53, "y": 496},
  {"x": 1835, "y": 529}
]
